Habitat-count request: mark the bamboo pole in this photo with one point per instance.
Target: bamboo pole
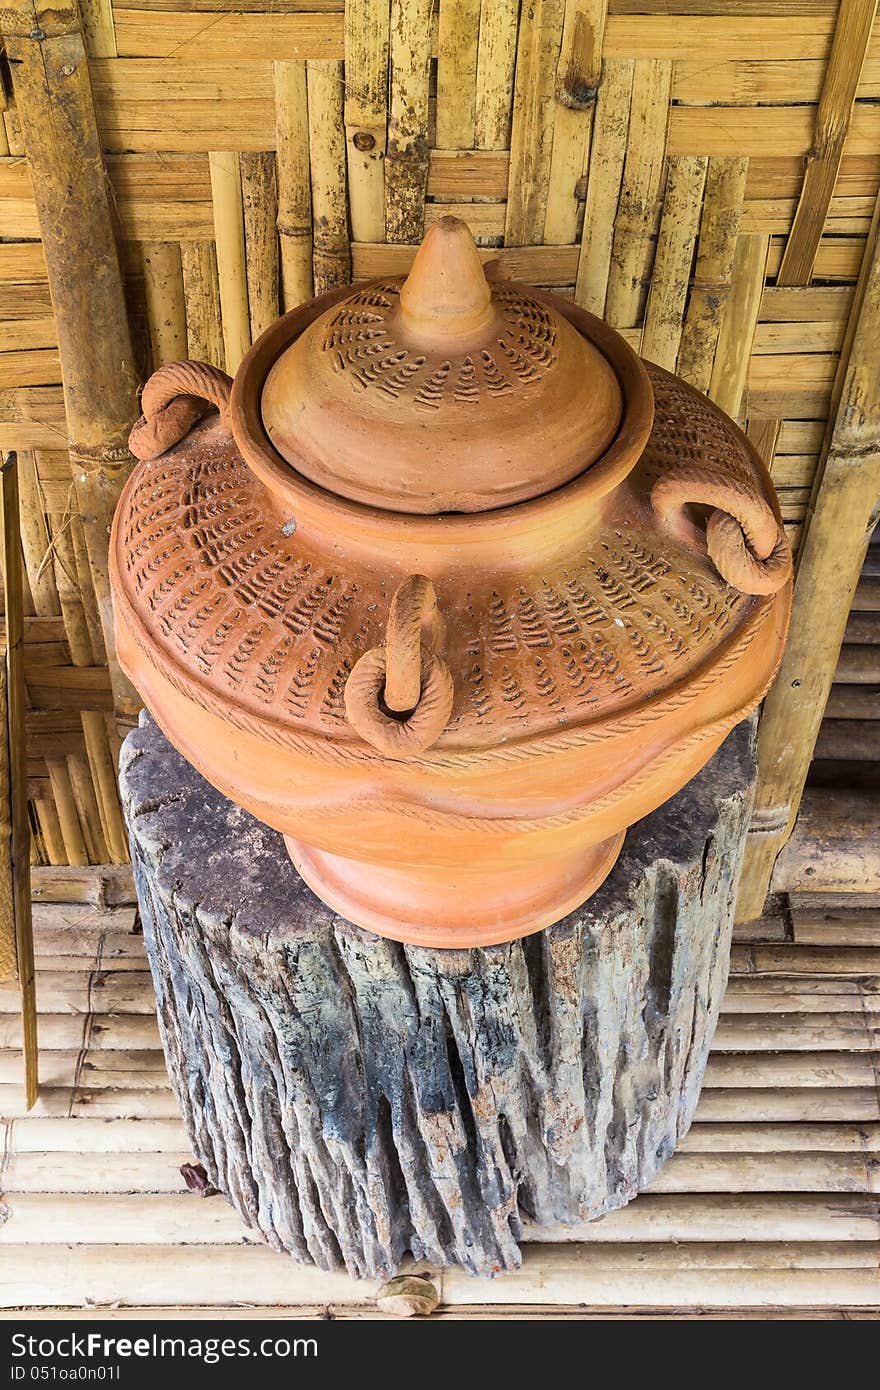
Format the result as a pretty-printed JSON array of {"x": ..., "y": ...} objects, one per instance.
[
  {"x": 496, "y": 60},
  {"x": 366, "y": 114},
  {"x": 201, "y": 293},
  {"x": 13, "y": 735},
  {"x": 839, "y": 523},
  {"x": 579, "y": 73},
  {"x": 406, "y": 162},
  {"x": 166, "y": 308},
  {"x": 229, "y": 238},
  {"x": 259, "y": 192},
  {"x": 294, "y": 182},
  {"x": 667, "y": 297},
  {"x": 331, "y": 254},
  {"x": 56, "y": 109}
]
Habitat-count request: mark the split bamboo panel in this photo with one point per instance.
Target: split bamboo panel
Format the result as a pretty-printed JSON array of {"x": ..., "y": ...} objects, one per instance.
[
  {"x": 771, "y": 1201},
  {"x": 702, "y": 173}
]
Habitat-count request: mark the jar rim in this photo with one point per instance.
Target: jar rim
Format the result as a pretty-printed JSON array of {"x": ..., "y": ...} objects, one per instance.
[{"x": 310, "y": 502}]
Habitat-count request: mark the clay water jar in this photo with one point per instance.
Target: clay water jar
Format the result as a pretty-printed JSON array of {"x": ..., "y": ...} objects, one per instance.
[{"x": 450, "y": 588}]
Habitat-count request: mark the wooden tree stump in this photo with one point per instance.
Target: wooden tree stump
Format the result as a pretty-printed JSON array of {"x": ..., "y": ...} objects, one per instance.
[{"x": 357, "y": 1099}]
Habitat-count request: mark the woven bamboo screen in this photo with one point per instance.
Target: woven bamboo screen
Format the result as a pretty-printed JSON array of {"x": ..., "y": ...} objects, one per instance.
[{"x": 701, "y": 172}]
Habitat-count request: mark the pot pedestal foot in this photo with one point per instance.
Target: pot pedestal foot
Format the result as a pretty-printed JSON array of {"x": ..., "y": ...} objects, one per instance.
[
  {"x": 491, "y": 902},
  {"x": 357, "y": 1099}
]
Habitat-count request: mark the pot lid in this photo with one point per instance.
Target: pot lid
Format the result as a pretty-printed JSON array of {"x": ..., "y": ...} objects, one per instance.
[{"x": 441, "y": 392}]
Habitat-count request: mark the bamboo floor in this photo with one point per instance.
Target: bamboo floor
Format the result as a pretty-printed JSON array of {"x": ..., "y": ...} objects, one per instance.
[{"x": 769, "y": 1209}]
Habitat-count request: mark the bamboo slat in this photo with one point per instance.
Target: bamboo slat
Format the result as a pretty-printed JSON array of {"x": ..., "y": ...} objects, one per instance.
[
  {"x": 531, "y": 138},
  {"x": 406, "y": 162},
  {"x": 667, "y": 297},
  {"x": 8, "y": 952},
  {"x": 496, "y": 59},
  {"x": 365, "y": 113},
  {"x": 294, "y": 182},
  {"x": 607, "y": 155},
  {"x": 231, "y": 271},
  {"x": 770, "y": 1200},
  {"x": 201, "y": 295},
  {"x": 731, "y": 367},
  {"x": 331, "y": 253},
  {"x": 640, "y": 192},
  {"x": 94, "y": 341},
  {"x": 833, "y": 117},
  {"x": 578, "y": 76},
  {"x": 166, "y": 309},
  {"x": 458, "y": 39},
  {"x": 839, "y": 527},
  {"x": 713, "y": 273},
  {"x": 17, "y": 853},
  {"x": 259, "y": 191}
]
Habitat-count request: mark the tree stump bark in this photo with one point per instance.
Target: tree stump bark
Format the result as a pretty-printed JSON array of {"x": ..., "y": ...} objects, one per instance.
[{"x": 357, "y": 1099}]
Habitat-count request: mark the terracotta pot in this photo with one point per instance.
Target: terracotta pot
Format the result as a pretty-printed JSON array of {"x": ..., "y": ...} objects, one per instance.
[{"x": 452, "y": 591}]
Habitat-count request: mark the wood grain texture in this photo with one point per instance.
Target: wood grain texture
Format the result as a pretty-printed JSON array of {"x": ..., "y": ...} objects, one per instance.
[
  {"x": 375, "y": 1098},
  {"x": 730, "y": 370}
]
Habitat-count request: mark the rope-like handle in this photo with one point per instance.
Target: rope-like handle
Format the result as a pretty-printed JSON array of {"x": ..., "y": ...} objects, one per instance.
[
  {"x": 174, "y": 398},
  {"x": 405, "y": 676},
  {"x": 746, "y": 543}
]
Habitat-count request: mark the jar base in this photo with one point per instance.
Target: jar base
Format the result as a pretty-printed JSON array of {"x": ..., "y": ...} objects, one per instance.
[{"x": 456, "y": 907}]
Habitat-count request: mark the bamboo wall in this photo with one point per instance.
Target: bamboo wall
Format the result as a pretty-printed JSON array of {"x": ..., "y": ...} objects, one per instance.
[{"x": 702, "y": 172}]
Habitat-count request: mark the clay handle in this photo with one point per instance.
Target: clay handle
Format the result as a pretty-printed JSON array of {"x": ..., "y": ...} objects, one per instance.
[
  {"x": 745, "y": 542},
  {"x": 174, "y": 398},
  {"x": 405, "y": 675}
]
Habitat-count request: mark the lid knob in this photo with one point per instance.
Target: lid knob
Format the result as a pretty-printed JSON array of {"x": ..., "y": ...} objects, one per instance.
[
  {"x": 442, "y": 393},
  {"x": 445, "y": 300}
]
